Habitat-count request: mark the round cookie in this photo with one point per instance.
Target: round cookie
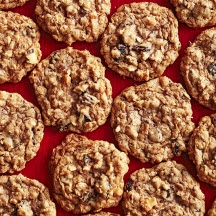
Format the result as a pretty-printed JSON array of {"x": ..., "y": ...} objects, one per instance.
[
  {"x": 166, "y": 189},
  {"x": 23, "y": 196},
  {"x": 103, "y": 214},
  {"x": 196, "y": 13},
  {"x": 19, "y": 46},
  {"x": 141, "y": 40},
  {"x": 70, "y": 21},
  {"x": 198, "y": 68},
  {"x": 72, "y": 90},
  {"x": 21, "y": 131},
  {"x": 212, "y": 211},
  {"x": 202, "y": 149},
  {"x": 152, "y": 121},
  {"x": 87, "y": 175},
  {"x": 7, "y": 4}
]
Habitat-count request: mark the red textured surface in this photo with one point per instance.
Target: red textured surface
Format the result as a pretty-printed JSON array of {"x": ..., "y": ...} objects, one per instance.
[{"x": 37, "y": 168}]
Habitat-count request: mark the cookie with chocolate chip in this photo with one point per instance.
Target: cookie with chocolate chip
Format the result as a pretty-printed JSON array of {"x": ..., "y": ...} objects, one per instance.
[
  {"x": 152, "y": 121},
  {"x": 202, "y": 149},
  {"x": 20, "y": 195},
  {"x": 166, "y": 189},
  {"x": 7, "y": 4},
  {"x": 21, "y": 131},
  {"x": 212, "y": 211},
  {"x": 196, "y": 13},
  {"x": 87, "y": 175},
  {"x": 72, "y": 90},
  {"x": 141, "y": 40},
  {"x": 198, "y": 68},
  {"x": 70, "y": 21},
  {"x": 19, "y": 46}
]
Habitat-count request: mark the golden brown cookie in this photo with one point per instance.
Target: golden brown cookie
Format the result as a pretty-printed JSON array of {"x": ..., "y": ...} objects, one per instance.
[{"x": 87, "y": 175}]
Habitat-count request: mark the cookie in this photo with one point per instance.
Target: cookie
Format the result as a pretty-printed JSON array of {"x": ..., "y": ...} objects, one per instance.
[
  {"x": 72, "y": 90},
  {"x": 21, "y": 131},
  {"x": 202, "y": 149},
  {"x": 198, "y": 68},
  {"x": 7, "y": 4},
  {"x": 212, "y": 211},
  {"x": 70, "y": 21},
  {"x": 141, "y": 40},
  {"x": 19, "y": 46},
  {"x": 103, "y": 214},
  {"x": 23, "y": 196},
  {"x": 87, "y": 175},
  {"x": 152, "y": 121},
  {"x": 196, "y": 13},
  {"x": 166, "y": 189}
]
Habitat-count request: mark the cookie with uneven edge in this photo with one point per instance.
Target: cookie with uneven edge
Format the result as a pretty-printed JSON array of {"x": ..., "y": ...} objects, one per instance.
[
  {"x": 19, "y": 46},
  {"x": 70, "y": 21},
  {"x": 103, "y": 214},
  {"x": 152, "y": 121},
  {"x": 141, "y": 40},
  {"x": 21, "y": 131},
  {"x": 198, "y": 68},
  {"x": 72, "y": 90},
  {"x": 212, "y": 211},
  {"x": 87, "y": 175},
  {"x": 202, "y": 149},
  {"x": 166, "y": 189},
  {"x": 7, "y": 4},
  {"x": 196, "y": 13},
  {"x": 20, "y": 195}
]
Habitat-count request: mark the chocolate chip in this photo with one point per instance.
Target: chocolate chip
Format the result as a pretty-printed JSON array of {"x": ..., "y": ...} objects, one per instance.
[
  {"x": 54, "y": 58},
  {"x": 30, "y": 31},
  {"x": 176, "y": 148},
  {"x": 63, "y": 127},
  {"x": 122, "y": 48},
  {"x": 87, "y": 196},
  {"x": 87, "y": 119},
  {"x": 168, "y": 193},
  {"x": 129, "y": 185},
  {"x": 212, "y": 68}
]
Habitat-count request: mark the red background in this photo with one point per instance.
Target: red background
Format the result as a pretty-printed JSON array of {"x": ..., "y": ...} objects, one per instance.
[{"x": 37, "y": 168}]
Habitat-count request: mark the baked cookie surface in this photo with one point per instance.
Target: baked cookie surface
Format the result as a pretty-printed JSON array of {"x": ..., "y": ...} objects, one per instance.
[
  {"x": 87, "y": 175},
  {"x": 7, "y": 4},
  {"x": 196, "y": 13},
  {"x": 72, "y": 90},
  {"x": 166, "y": 189},
  {"x": 212, "y": 211},
  {"x": 23, "y": 196},
  {"x": 198, "y": 68},
  {"x": 70, "y": 21},
  {"x": 19, "y": 46},
  {"x": 202, "y": 149},
  {"x": 141, "y": 40},
  {"x": 103, "y": 214},
  {"x": 152, "y": 121},
  {"x": 21, "y": 131}
]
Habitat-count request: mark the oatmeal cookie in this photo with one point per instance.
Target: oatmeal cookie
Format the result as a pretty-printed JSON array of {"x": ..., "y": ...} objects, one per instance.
[
  {"x": 198, "y": 68},
  {"x": 87, "y": 175},
  {"x": 202, "y": 149},
  {"x": 19, "y": 46},
  {"x": 141, "y": 40},
  {"x": 103, "y": 214},
  {"x": 23, "y": 196},
  {"x": 72, "y": 90},
  {"x": 21, "y": 131},
  {"x": 7, "y": 4},
  {"x": 196, "y": 13},
  {"x": 212, "y": 211},
  {"x": 166, "y": 189},
  {"x": 152, "y": 121},
  {"x": 70, "y": 21}
]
